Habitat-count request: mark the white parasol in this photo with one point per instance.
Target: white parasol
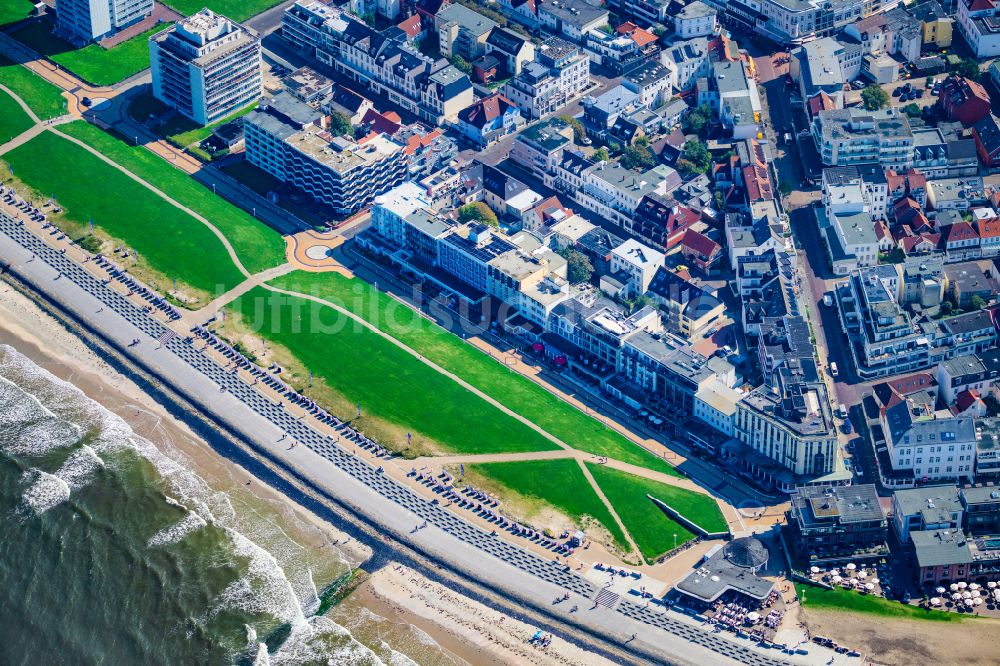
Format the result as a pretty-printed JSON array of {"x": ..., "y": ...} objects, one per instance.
[
  {"x": 962, "y": 585},
  {"x": 814, "y": 570},
  {"x": 935, "y": 601},
  {"x": 953, "y": 587},
  {"x": 851, "y": 566},
  {"x": 939, "y": 590}
]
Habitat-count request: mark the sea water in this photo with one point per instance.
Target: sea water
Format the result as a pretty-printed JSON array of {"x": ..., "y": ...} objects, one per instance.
[{"x": 112, "y": 551}]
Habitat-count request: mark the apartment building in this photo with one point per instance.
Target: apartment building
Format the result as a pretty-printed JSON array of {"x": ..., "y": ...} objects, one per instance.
[
  {"x": 980, "y": 25},
  {"x": 687, "y": 61},
  {"x": 798, "y": 21},
  {"x": 732, "y": 94},
  {"x": 840, "y": 524},
  {"x": 648, "y": 11},
  {"x": 856, "y": 136},
  {"x": 290, "y": 140},
  {"x": 431, "y": 89},
  {"x": 462, "y": 31},
  {"x": 572, "y": 19},
  {"x": 559, "y": 74},
  {"x": 85, "y": 21},
  {"x": 206, "y": 66},
  {"x": 539, "y": 147},
  {"x": 696, "y": 19},
  {"x": 929, "y": 446}
]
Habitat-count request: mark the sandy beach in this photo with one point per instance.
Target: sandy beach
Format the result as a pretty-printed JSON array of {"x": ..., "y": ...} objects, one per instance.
[
  {"x": 469, "y": 630},
  {"x": 460, "y": 630}
]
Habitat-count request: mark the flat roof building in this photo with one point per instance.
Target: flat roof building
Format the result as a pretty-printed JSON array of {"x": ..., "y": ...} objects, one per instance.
[
  {"x": 91, "y": 20},
  {"x": 206, "y": 66}
]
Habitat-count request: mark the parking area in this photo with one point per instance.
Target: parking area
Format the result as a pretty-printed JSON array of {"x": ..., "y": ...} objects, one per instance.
[{"x": 903, "y": 92}]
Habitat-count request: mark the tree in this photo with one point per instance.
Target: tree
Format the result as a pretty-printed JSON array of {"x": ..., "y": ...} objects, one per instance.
[
  {"x": 600, "y": 155},
  {"x": 638, "y": 157},
  {"x": 578, "y": 132},
  {"x": 696, "y": 152},
  {"x": 874, "y": 97},
  {"x": 976, "y": 303},
  {"x": 969, "y": 68},
  {"x": 992, "y": 405},
  {"x": 696, "y": 119},
  {"x": 461, "y": 64},
  {"x": 718, "y": 200},
  {"x": 477, "y": 211},
  {"x": 913, "y": 111},
  {"x": 578, "y": 266},
  {"x": 686, "y": 168},
  {"x": 784, "y": 189},
  {"x": 340, "y": 124},
  {"x": 369, "y": 19}
]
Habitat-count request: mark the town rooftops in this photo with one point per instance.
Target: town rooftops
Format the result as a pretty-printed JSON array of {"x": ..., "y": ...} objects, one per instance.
[
  {"x": 546, "y": 136},
  {"x": 635, "y": 253},
  {"x": 980, "y": 495},
  {"x": 466, "y": 18},
  {"x": 486, "y": 110},
  {"x": 846, "y": 504},
  {"x": 506, "y": 40},
  {"x": 968, "y": 322},
  {"x": 577, "y": 13},
  {"x": 935, "y": 503},
  {"x": 941, "y": 548}
]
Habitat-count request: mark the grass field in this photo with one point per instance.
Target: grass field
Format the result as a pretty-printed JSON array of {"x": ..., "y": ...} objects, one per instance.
[
  {"x": 12, "y": 11},
  {"x": 92, "y": 63},
  {"x": 170, "y": 242},
  {"x": 849, "y": 601},
  {"x": 360, "y": 366},
  {"x": 447, "y": 350},
  {"x": 651, "y": 529},
  {"x": 13, "y": 119},
  {"x": 559, "y": 483},
  {"x": 45, "y": 99},
  {"x": 237, "y": 10},
  {"x": 196, "y": 133},
  {"x": 259, "y": 246}
]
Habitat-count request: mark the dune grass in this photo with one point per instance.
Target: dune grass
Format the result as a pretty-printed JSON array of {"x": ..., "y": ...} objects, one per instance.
[
  {"x": 364, "y": 368},
  {"x": 446, "y": 349},
  {"x": 169, "y": 241},
  {"x": 652, "y": 530},
  {"x": 258, "y": 246},
  {"x": 559, "y": 483},
  {"x": 45, "y": 99},
  {"x": 849, "y": 601}
]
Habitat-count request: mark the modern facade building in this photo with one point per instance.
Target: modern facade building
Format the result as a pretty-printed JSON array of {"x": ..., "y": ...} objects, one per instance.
[
  {"x": 855, "y": 136},
  {"x": 462, "y": 31},
  {"x": 979, "y": 24},
  {"x": 290, "y": 140},
  {"x": 91, "y": 20},
  {"x": 206, "y": 66},
  {"x": 838, "y": 524}
]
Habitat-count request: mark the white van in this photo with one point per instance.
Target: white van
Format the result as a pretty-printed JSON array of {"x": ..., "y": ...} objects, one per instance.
[{"x": 833, "y": 369}]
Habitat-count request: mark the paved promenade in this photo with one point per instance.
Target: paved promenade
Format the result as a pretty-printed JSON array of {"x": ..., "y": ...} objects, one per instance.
[{"x": 330, "y": 465}]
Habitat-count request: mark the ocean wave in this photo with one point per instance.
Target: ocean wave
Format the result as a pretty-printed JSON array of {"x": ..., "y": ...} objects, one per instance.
[
  {"x": 168, "y": 535},
  {"x": 46, "y": 491},
  {"x": 263, "y": 589},
  {"x": 322, "y": 640}
]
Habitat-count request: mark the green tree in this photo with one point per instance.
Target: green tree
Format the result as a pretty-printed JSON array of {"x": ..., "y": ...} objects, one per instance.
[
  {"x": 477, "y": 211},
  {"x": 912, "y": 110},
  {"x": 638, "y": 157},
  {"x": 718, "y": 200},
  {"x": 784, "y": 189},
  {"x": 969, "y": 68},
  {"x": 946, "y": 308},
  {"x": 601, "y": 155},
  {"x": 696, "y": 152},
  {"x": 369, "y": 19},
  {"x": 578, "y": 266},
  {"x": 686, "y": 168},
  {"x": 874, "y": 97},
  {"x": 340, "y": 124},
  {"x": 696, "y": 119},
  {"x": 578, "y": 132},
  {"x": 461, "y": 64},
  {"x": 976, "y": 303},
  {"x": 992, "y": 405}
]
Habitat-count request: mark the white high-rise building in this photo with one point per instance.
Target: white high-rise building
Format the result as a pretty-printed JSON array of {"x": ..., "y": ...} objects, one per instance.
[
  {"x": 90, "y": 20},
  {"x": 206, "y": 66}
]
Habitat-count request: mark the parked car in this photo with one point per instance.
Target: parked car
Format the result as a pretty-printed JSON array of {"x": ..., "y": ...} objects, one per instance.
[
  {"x": 827, "y": 299},
  {"x": 858, "y": 84},
  {"x": 898, "y": 91},
  {"x": 920, "y": 94},
  {"x": 833, "y": 369}
]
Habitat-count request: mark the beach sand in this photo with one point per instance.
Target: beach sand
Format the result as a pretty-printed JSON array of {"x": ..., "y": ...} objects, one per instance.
[
  {"x": 468, "y": 629},
  {"x": 457, "y": 630},
  {"x": 898, "y": 642}
]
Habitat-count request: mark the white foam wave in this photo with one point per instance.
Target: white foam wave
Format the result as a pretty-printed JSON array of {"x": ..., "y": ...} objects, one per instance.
[
  {"x": 264, "y": 589},
  {"x": 79, "y": 468},
  {"x": 46, "y": 491},
  {"x": 322, "y": 640},
  {"x": 168, "y": 535}
]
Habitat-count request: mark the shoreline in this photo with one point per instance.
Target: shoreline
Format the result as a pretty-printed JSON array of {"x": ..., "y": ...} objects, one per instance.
[{"x": 25, "y": 322}]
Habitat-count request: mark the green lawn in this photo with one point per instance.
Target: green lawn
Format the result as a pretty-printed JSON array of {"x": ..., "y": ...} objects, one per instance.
[
  {"x": 197, "y": 133},
  {"x": 170, "y": 242},
  {"x": 517, "y": 393},
  {"x": 839, "y": 599},
  {"x": 45, "y": 99},
  {"x": 259, "y": 246},
  {"x": 651, "y": 529},
  {"x": 12, "y": 11},
  {"x": 559, "y": 483},
  {"x": 13, "y": 119},
  {"x": 360, "y": 366},
  {"x": 237, "y": 10},
  {"x": 92, "y": 63}
]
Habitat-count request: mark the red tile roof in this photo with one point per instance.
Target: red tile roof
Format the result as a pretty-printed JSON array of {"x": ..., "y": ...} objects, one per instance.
[
  {"x": 382, "y": 122},
  {"x": 965, "y": 400},
  {"x": 411, "y": 26},
  {"x": 486, "y": 110},
  {"x": 700, "y": 244},
  {"x": 960, "y": 231},
  {"x": 988, "y": 228}
]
